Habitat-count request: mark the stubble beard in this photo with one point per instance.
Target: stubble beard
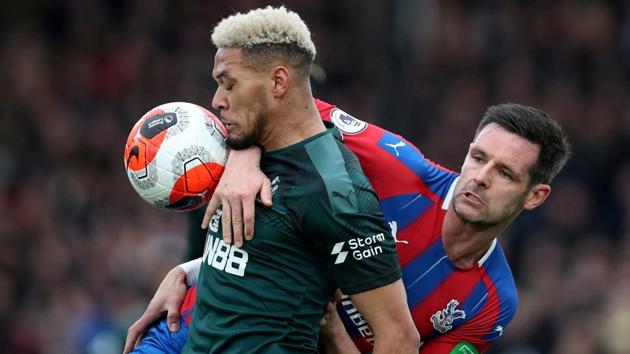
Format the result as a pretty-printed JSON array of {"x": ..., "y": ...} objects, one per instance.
[
  {"x": 485, "y": 219},
  {"x": 250, "y": 139},
  {"x": 254, "y": 136}
]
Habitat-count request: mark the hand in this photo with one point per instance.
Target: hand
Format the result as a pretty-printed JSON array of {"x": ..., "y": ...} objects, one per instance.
[
  {"x": 331, "y": 318},
  {"x": 168, "y": 298},
  {"x": 241, "y": 181},
  {"x": 333, "y": 335},
  {"x": 330, "y": 324}
]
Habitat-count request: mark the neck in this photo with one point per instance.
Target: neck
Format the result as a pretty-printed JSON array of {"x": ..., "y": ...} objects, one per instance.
[
  {"x": 465, "y": 243},
  {"x": 294, "y": 119}
]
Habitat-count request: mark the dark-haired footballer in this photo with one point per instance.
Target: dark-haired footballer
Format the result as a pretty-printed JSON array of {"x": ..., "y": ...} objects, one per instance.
[{"x": 459, "y": 285}]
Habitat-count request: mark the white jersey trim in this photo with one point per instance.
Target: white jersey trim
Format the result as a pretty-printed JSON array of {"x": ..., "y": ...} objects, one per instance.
[
  {"x": 449, "y": 195},
  {"x": 488, "y": 253},
  {"x": 191, "y": 268}
]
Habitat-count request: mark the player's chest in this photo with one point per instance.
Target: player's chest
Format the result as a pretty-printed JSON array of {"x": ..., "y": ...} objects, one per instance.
[
  {"x": 442, "y": 297},
  {"x": 275, "y": 242}
]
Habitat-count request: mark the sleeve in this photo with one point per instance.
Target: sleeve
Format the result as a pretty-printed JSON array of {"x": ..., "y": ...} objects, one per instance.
[
  {"x": 360, "y": 250},
  {"x": 191, "y": 268},
  {"x": 346, "y": 221}
]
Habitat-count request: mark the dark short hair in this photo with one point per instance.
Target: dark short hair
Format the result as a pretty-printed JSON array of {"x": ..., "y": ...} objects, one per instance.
[
  {"x": 537, "y": 127},
  {"x": 261, "y": 55}
]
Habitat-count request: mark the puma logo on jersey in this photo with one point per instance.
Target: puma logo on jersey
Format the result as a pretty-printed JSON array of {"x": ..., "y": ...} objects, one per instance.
[
  {"x": 499, "y": 329},
  {"x": 393, "y": 226},
  {"x": 396, "y": 146},
  {"x": 344, "y": 196},
  {"x": 443, "y": 319}
]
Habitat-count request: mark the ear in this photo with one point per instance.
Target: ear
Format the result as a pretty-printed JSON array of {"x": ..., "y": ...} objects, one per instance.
[
  {"x": 536, "y": 196},
  {"x": 281, "y": 78}
]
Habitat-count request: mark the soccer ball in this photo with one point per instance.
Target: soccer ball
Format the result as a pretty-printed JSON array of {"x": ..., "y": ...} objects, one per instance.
[{"x": 175, "y": 155}]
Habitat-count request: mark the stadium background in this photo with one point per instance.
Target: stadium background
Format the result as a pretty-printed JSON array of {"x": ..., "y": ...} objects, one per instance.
[{"x": 80, "y": 253}]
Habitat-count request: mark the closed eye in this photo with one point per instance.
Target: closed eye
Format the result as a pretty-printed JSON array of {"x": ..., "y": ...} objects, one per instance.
[{"x": 505, "y": 174}]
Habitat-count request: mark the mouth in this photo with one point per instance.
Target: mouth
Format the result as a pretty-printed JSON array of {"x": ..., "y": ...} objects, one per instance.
[
  {"x": 472, "y": 197},
  {"x": 227, "y": 124}
]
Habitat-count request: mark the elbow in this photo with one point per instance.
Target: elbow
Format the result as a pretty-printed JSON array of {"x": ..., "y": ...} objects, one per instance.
[
  {"x": 412, "y": 340},
  {"x": 406, "y": 340}
]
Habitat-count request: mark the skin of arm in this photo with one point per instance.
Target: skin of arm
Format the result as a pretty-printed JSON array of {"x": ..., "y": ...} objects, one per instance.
[{"x": 385, "y": 309}]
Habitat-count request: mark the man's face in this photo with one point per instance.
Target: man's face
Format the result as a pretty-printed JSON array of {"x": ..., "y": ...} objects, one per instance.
[
  {"x": 494, "y": 183},
  {"x": 240, "y": 97}
]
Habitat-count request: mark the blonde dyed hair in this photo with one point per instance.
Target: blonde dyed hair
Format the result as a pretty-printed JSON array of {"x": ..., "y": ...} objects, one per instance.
[{"x": 269, "y": 26}]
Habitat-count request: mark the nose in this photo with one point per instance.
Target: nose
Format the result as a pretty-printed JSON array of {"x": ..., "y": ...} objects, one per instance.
[
  {"x": 218, "y": 101},
  {"x": 482, "y": 177}
]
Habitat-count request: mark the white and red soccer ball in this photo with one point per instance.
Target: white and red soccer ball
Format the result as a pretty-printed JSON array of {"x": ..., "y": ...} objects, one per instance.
[{"x": 175, "y": 155}]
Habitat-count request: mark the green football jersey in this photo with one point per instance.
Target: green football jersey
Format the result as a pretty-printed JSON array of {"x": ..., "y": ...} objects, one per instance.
[{"x": 324, "y": 231}]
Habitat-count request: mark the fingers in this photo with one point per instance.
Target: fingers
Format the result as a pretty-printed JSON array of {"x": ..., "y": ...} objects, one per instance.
[
  {"x": 139, "y": 339},
  {"x": 137, "y": 330},
  {"x": 238, "y": 211},
  {"x": 237, "y": 222},
  {"x": 331, "y": 310},
  {"x": 130, "y": 343},
  {"x": 265, "y": 192},
  {"x": 248, "y": 218},
  {"x": 168, "y": 297},
  {"x": 231, "y": 218},
  {"x": 226, "y": 221},
  {"x": 210, "y": 210},
  {"x": 323, "y": 321},
  {"x": 172, "y": 318}
]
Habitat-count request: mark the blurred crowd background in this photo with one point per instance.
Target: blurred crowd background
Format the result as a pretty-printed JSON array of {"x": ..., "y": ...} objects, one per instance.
[{"x": 81, "y": 254}]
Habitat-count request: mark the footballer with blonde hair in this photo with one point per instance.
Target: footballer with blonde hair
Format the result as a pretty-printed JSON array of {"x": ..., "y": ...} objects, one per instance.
[{"x": 325, "y": 229}]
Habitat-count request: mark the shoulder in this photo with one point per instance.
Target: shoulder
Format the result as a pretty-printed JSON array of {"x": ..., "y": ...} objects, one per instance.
[
  {"x": 337, "y": 170},
  {"x": 332, "y": 180},
  {"x": 331, "y": 160},
  {"x": 312, "y": 169}
]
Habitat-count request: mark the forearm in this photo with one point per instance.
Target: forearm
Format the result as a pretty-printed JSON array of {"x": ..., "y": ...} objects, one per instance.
[{"x": 250, "y": 155}]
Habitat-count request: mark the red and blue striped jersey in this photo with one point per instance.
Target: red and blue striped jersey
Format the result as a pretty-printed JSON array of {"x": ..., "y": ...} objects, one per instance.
[{"x": 448, "y": 305}]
